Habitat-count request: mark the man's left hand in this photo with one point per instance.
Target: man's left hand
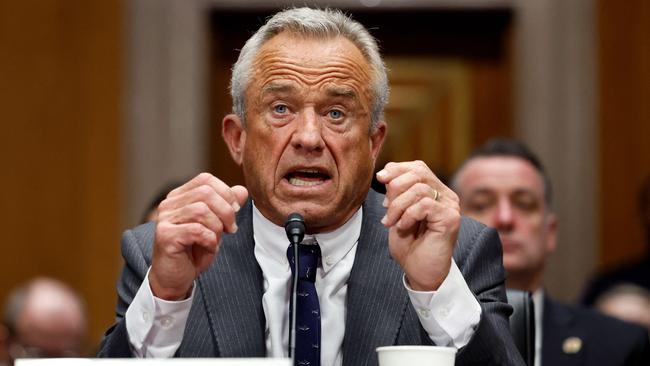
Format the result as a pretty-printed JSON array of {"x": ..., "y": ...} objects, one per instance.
[{"x": 423, "y": 216}]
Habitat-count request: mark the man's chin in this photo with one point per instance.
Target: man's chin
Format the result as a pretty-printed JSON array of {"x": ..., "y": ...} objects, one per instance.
[
  {"x": 319, "y": 216},
  {"x": 513, "y": 265},
  {"x": 312, "y": 211}
]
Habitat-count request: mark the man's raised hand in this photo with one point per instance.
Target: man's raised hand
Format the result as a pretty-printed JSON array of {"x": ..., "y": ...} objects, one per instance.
[
  {"x": 191, "y": 221},
  {"x": 424, "y": 218}
]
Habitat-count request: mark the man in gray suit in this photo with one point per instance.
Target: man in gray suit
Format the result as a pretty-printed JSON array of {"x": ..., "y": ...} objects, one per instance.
[{"x": 211, "y": 277}]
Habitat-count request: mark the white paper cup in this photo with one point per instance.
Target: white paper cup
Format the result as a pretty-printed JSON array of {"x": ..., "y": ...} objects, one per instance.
[{"x": 416, "y": 356}]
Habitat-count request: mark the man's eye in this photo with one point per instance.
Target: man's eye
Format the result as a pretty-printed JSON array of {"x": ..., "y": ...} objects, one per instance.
[
  {"x": 480, "y": 204},
  {"x": 335, "y": 114},
  {"x": 527, "y": 205},
  {"x": 280, "y": 108},
  {"x": 477, "y": 207}
]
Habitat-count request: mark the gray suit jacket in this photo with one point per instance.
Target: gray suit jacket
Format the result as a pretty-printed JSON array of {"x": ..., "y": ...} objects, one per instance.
[{"x": 227, "y": 320}]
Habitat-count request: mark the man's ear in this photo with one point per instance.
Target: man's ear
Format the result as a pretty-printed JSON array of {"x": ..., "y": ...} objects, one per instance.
[
  {"x": 377, "y": 137},
  {"x": 234, "y": 135}
]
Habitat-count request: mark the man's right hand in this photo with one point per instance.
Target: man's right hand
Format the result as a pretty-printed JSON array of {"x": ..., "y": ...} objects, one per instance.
[{"x": 190, "y": 224}]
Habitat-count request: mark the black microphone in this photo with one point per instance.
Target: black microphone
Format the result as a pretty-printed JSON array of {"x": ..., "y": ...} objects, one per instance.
[{"x": 295, "y": 229}]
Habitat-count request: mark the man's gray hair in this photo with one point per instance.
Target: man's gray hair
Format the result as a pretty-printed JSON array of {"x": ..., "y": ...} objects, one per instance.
[{"x": 316, "y": 23}]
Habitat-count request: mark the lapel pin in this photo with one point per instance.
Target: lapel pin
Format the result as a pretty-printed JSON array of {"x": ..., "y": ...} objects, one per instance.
[{"x": 572, "y": 345}]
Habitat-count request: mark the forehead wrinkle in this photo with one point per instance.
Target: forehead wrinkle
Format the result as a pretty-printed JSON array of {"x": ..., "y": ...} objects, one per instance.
[
  {"x": 343, "y": 67},
  {"x": 282, "y": 82},
  {"x": 314, "y": 75}
]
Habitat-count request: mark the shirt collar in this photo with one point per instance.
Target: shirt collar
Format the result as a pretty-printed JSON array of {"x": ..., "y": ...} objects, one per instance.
[{"x": 334, "y": 245}]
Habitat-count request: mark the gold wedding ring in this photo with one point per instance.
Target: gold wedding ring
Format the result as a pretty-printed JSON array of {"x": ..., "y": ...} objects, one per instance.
[{"x": 436, "y": 194}]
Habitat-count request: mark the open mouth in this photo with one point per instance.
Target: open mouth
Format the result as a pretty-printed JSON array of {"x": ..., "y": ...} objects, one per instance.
[{"x": 307, "y": 177}]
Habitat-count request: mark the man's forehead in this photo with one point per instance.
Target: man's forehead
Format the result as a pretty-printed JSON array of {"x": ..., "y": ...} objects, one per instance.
[
  {"x": 310, "y": 50},
  {"x": 500, "y": 173}
]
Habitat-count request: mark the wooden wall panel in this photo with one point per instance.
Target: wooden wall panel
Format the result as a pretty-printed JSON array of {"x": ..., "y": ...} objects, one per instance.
[
  {"x": 624, "y": 55},
  {"x": 60, "y": 96}
]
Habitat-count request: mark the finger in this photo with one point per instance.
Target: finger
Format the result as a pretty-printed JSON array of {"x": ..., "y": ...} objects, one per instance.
[
  {"x": 183, "y": 236},
  {"x": 241, "y": 194},
  {"x": 203, "y": 258},
  {"x": 437, "y": 216},
  {"x": 405, "y": 200},
  {"x": 193, "y": 206},
  {"x": 426, "y": 208},
  {"x": 209, "y": 180},
  {"x": 392, "y": 169},
  {"x": 401, "y": 184},
  {"x": 198, "y": 212},
  {"x": 200, "y": 243}
]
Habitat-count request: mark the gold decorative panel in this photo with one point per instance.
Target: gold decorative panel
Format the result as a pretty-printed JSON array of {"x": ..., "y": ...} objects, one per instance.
[{"x": 430, "y": 112}]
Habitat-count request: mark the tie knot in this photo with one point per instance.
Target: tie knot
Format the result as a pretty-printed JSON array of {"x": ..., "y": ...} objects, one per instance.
[{"x": 308, "y": 263}]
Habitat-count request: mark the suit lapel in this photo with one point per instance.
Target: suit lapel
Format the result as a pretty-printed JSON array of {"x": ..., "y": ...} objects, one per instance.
[
  {"x": 232, "y": 291},
  {"x": 376, "y": 300}
]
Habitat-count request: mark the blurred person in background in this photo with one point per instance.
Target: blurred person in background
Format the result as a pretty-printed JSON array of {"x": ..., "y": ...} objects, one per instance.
[
  {"x": 504, "y": 185},
  {"x": 636, "y": 273},
  {"x": 627, "y": 302},
  {"x": 45, "y": 318}
]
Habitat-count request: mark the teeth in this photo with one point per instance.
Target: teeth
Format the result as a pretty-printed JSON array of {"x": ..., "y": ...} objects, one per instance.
[
  {"x": 308, "y": 171},
  {"x": 299, "y": 182}
]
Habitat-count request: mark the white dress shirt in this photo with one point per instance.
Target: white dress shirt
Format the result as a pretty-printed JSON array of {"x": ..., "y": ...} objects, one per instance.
[
  {"x": 449, "y": 315},
  {"x": 538, "y": 305}
]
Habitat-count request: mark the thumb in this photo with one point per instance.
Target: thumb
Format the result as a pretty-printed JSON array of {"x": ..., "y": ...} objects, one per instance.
[{"x": 241, "y": 194}]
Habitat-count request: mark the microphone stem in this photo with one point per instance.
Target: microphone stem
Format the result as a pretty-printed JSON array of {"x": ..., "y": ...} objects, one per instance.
[{"x": 294, "y": 301}]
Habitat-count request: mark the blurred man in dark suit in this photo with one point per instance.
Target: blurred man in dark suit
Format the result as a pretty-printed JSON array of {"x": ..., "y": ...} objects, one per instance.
[{"x": 503, "y": 185}]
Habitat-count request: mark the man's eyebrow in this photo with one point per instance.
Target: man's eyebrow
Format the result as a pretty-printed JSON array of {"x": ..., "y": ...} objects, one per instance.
[
  {"x": 525, "y": 192},
  {"x": 277, "y": 88},
  {"x": 334, "y": 91},
  {"x": 480, "y": 191}
]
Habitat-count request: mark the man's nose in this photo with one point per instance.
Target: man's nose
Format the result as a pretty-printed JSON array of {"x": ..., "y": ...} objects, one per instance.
[
  {"x": 308, "y": 132},
  {"x": 504, "y": 216}
]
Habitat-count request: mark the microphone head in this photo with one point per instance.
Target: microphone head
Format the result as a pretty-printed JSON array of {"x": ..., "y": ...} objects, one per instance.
[{"x": 295, "y": 228}]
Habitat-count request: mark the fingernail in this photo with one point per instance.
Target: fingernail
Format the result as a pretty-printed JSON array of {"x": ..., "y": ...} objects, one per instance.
[
  {"x": 381, "y": 174},
  {"x": 384, "y": 220},
  {"x": 385, "y": 203},
  {"x": 236, "y": 207},
  {"x": 233, "y": 228}
]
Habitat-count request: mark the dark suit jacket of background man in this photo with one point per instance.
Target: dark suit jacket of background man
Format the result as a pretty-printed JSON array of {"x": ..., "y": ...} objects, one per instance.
[
  {"x": 605, "y": 340},
  {"x": 227, "y": 319}
]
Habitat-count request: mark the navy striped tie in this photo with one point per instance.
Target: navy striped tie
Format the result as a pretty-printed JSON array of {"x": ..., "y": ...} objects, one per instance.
[{"x": 308, "y": 315}]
